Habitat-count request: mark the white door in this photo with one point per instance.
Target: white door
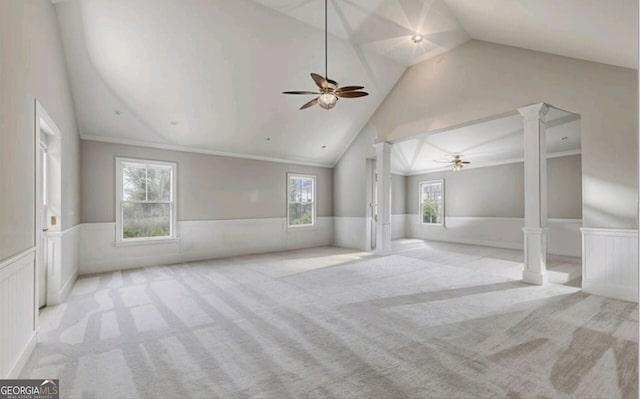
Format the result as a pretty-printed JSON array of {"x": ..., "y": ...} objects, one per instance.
[{"x": 42, "y": 206}]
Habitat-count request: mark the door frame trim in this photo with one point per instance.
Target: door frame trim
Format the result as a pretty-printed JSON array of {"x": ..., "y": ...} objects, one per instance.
[{"x": 42, "y": 123}]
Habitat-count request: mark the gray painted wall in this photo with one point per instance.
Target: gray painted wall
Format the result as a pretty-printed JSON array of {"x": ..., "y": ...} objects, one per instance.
[
  {"x": 350, "y": 179},
  {"x": 209, "y": 187},
  {"x": 498, "y": 191},
  {"x": 398, "y": 194},
  {"x": 350, "y": 176},
  {"x": 495, "y": 191},
  {"x": 32, "y": 67},
  {"x": 564, "y": 187},
  {"x": 480, "y": 79}
]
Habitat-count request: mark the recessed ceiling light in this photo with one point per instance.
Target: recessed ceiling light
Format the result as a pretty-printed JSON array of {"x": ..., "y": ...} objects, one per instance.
[
  {"x": 564, "y": 138},
  {"x": 417, "y": 38},
  {"x": 324, "y": 146},
  {"x": 268, "y": 139},
  {"x": 173, "y": 123},
  {"x": 118, "y": 112}
]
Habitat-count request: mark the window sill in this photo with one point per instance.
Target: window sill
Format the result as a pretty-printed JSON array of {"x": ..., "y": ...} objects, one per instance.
[
  {"x": 147, "y": 241},
  {"x": 432, "y": 224},
  {"x": 294, "y": 228}
]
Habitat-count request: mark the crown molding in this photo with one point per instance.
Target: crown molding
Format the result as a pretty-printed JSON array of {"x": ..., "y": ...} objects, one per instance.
[
  {"x": 534, "y": 111},
  {"x": 171, "y": 147}
]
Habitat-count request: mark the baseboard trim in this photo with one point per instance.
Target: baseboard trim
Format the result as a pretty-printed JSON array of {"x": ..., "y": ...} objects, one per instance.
[
  {"x": 22, "y": 360},
  {"x": 351, "y": 232},
  {"x": 66, "y": 288},
  {"x": 535, "y": 278},
  {"x": 128, "y": 263},
  {"x": 611, "y": 291},
  {"x": 499, "y": 232},
  {"x": 146, "y": 261},
  {"x": 481, "y": 243}
]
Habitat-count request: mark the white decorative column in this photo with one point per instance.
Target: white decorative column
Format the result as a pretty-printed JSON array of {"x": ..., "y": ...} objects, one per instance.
[
  {"x": 535, "y": 194},
  {"x": 383, "y": 171}
]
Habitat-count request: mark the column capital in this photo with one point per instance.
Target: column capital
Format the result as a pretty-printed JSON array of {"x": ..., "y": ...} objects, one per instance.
[
  {"x": 383, "y": 145},
  {"x": 534, "y": 111}
]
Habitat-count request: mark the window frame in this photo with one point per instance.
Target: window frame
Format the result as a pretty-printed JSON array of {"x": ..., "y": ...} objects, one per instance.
[
  {"x": 313, "y": 203},
  {"x": 173, "y": 221},
  {"x": 421, "y": 202}
]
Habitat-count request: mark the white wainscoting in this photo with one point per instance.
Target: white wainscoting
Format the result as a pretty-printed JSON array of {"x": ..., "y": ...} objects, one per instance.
[
  {"x": 17, "y": 312},
  {"x": 351, "y": 232},
  {"x": 398, "y": 226},
  {"x": 198, "y": 240},
  {"x": 62, "y": 263},
  {"x": 492, "y": 232},
  {"x": 610, "y": 263},
  {"x": 564, "y": 234}
]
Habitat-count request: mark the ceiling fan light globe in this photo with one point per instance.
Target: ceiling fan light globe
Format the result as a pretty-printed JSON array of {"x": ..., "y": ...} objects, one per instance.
[{"x": 327, "y": 100}]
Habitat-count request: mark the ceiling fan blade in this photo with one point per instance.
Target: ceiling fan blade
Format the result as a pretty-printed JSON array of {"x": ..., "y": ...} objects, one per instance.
[
  {"x": 352, "y": 94},
  {"x": 320, "y": 81},
  {"x": 349, "y": 88},
  {"x": 466, "y": 162},
  {"x": 300, "y": 92},
  {"x": 310, "y": 103}
]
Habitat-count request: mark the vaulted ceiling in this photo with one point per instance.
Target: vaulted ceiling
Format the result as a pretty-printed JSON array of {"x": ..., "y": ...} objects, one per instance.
[
  {"x": 206, "y": 75},
  {"x": 604, "y": 31}
]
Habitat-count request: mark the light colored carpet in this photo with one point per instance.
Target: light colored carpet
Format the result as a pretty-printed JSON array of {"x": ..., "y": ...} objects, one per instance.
[{"x": 427, "y": 322}]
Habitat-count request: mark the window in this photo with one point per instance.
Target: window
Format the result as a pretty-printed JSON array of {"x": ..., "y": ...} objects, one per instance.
[
  {"x": 301, "y": 200},
  {"x": 431, "y": 201},
  {"x": 145, "y": 200}
]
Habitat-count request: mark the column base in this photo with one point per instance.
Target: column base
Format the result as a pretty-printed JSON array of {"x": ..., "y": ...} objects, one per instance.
[
  {"x": 534, "y": 278},
  {"x": 384, "y": 247},
  {"x": 535, "y": 255}
]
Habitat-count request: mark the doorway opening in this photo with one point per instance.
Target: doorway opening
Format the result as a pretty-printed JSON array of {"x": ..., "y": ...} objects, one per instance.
[
  {"x": 372, "y": 205},
  {"x": 48, "y": 198}
]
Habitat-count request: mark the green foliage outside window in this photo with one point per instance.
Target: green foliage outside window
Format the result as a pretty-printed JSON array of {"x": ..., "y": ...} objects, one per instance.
[
  {"x": 146, "y": 205},
  {"x": 431, "y": 202},
  {"x": 300, "y": 200},
  {"x": 146, "y": 220},
  {"x": 430, "y": 213},
  {"x": 300, "y": 214}
]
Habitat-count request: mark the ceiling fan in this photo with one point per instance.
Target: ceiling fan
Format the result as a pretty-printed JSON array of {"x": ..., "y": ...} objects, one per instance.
[
  {"x": 329, "y": 90},
  {"x": 456, "y": 163}
]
